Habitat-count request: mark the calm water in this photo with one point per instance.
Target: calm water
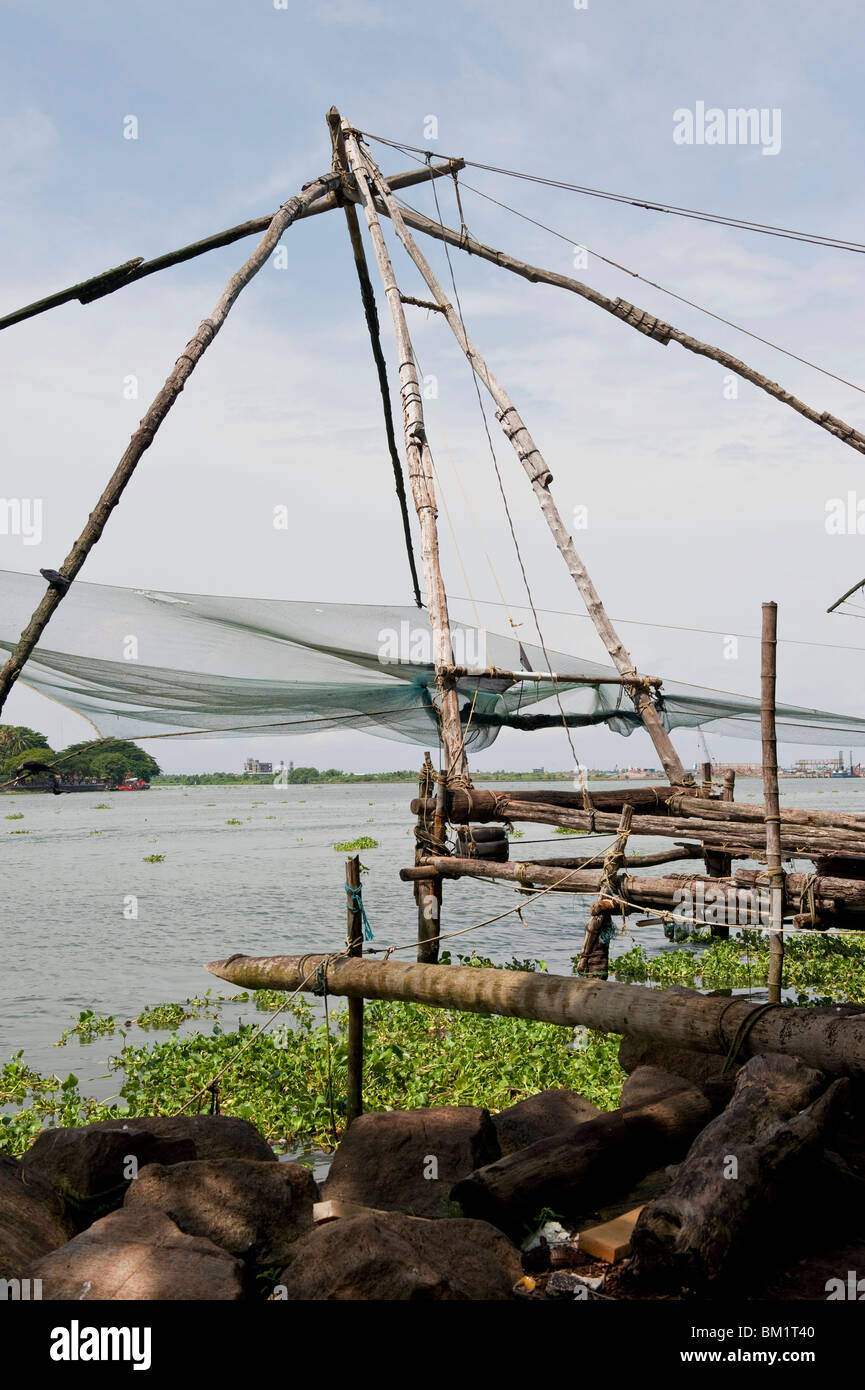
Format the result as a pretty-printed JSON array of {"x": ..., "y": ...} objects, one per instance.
[{"x": 272, "y": 884}]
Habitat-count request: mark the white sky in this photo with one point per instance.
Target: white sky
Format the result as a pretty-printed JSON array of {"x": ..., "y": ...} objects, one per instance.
[{"x": 700, "y": 507}]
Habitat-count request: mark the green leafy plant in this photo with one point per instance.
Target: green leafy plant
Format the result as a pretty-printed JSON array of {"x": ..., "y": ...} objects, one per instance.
[
  {"x": 153, "y": 859},
  {"x": 363, "y": 842}
]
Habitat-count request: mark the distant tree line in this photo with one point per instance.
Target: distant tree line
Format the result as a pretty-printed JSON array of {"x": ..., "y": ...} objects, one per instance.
[{"x": 104, "y": 759}]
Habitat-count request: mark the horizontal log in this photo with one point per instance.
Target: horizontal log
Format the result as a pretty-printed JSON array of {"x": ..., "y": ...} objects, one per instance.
[
  {"x": 726, "y": 835},
  {"x": 588, "y": 1164},
  {"x": 483, "y": 804},
  {"x": 637, "y": 861},
  {"x": 681, "y": 1018}
]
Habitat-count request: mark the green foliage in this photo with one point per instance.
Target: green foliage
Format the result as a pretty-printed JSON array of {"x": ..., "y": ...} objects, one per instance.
[
  {"x": 414, "y": 1056},
  {"x": 363, "y": 842},
  {"x": 153, "y": 859},
  {"x": 832, "y": 965},
  {"x": 33, "y": 753},
  {"x": 568, "y": 830},
  {"x": 90, "y": 1025},
  {"x": 16, "y": 741},
  {"x": 17, "y": 815},
  {"x": 109, "y": 758}
]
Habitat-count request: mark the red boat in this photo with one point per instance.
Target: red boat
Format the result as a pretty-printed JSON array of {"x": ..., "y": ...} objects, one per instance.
[{"x": 133, "y": 784}]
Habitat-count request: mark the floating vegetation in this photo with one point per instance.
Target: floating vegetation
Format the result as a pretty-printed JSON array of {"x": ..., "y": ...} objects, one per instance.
[
  {"x": 19, "y": 832},
  {"x": 567, "y": 830},
  {"x": 153, "y": 859},
  {"x": 17, "y": 815},
  {"x": 102, "y": 806},
  {"x": 363, "y": 842},
  {"x": 234, "y": 821},
  {"x": 89, "y": 1025}
]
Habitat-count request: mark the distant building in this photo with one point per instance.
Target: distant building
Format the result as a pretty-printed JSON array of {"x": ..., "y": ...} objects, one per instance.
[{"x": 253, "y": 765}]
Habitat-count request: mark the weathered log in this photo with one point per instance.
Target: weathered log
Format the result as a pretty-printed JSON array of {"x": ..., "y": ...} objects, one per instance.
[
  {"x": 483, "y": 804},
  {"x": 716, "y": 1212},
  {"x": 635, "y": 861},
  {"x": 725, "y": 835},
  {"x": 681, "y": 1018},
  {"x": 742, "y": 899},
  {"x": 587, "y": 1164}
]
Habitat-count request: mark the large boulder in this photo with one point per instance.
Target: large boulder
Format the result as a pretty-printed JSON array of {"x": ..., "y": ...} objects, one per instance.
[
  {"x": 252, "y": 1209},
  {"x": 32, "y": 1222},
  {"x": 91, "y": 1166},
  {"x": 703, "y": 1069},
  {"x": 137, "y": 1253},
  {"x": 408, "y": 1160},
  {"x": 540, "y": 1117},
  {"x": 389, "y": 1256}
]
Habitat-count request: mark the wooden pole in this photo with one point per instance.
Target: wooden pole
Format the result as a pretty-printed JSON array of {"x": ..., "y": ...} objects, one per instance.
[
  {"x": 370, "y": 311},
  {"x": 428, "y": 891},
  {"x": 595, "y": 954},
  {"x": 367, "y": 173},
  {"x": 682, "y": 1019},
  {"x": 144, "y": 435},
  {"x": 354, "y": 942},
  {"x": 118, "y": 277},
  {"x": 634, "y": 317},
  {"x": 771, "y": 800},
  {"x": 419, "y": 460}
]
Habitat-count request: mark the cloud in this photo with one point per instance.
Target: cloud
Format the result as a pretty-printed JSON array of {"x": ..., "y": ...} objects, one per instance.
[{"x": 28, "y": 139}]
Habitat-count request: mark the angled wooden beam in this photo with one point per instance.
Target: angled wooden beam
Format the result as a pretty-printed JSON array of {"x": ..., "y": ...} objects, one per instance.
[
  {"x": 59, "y": 581},
  {"x": 118, "y": 277},
  {"x": 634, "y": 317}
]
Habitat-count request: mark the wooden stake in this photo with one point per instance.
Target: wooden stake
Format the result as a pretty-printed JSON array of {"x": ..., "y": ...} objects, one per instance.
[
  {"x": 771, "y": 800},
  {"x": 354, "y": 940},
  {"x": 428, "y": 891},
  {"x": 144, "y": 435},
  {"x": 367, "y": 172}
]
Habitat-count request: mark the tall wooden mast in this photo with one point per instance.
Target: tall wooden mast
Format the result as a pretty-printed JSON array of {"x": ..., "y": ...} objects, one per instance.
[
  {"x": 420, "y": 472},
  {"x": 368, "y": 173}
]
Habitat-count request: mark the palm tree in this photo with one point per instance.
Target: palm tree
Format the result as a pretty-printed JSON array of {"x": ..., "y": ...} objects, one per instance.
[{"x": 17, "y": 738}]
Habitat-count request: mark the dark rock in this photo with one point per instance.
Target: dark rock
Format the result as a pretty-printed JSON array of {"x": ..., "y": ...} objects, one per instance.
[
  {"x": 89, "y": 1166},
  {"x": 646, "y": 1084},
  {"x": 408, "y": 1160},
  {"x": 32, "y": 1222},
  {"x": 252, "y": 1209},
  {"x": 390, "y": 1256},
  {"x": 540, "y": 1117},
  {"x": 702, "y": 1069},
  {"x": 137, "y": 1253}
]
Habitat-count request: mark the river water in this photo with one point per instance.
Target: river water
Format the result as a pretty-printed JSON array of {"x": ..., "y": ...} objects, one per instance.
[{"x": 271, "y": 884}]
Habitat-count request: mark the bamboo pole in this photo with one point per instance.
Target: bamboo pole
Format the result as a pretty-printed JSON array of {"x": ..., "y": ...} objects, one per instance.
[
  {"x": 635, "y": 318},
  {"x": 831, "y": 1043},
  {"x": 144, "y": 435},
  {"x": 367, "y": 172},
  {"x": 770, "y": 796},
  {"x": 419, "y": 462},
  {"x": 428, "y": 889},
  {"x": 118, "y": 277},
  {"x": 354, "y": 941},
  {"x": 370, "y": 311}
]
